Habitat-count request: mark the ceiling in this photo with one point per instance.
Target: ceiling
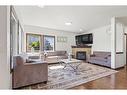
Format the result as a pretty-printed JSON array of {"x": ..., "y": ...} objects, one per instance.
[{"x": 81, "y": 17}]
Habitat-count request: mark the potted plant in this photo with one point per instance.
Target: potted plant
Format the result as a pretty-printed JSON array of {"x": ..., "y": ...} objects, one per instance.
[{"x": 35, "y": 45}]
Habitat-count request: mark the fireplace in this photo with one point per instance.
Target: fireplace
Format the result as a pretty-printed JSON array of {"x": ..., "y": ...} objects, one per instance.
[{"x": 81, "y": 55}]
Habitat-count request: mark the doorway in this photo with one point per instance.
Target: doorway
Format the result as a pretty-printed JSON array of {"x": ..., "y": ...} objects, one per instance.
[{"x": 126, "y": 47}]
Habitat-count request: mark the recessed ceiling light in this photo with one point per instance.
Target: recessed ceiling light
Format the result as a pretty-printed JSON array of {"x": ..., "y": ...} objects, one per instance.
[
  {"x": 40, "y": 6},
  {"x": 68, "y": 23},
  {"x": 80, "y": 30}
]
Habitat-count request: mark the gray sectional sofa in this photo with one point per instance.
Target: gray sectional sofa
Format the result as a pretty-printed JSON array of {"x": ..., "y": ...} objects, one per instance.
[
  {"x": 55, "y": 56},
  {"x": 100, "y": 58}
]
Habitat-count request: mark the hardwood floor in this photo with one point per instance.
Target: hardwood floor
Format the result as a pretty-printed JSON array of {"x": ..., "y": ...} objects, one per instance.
[{"x": 114, "y": 81}]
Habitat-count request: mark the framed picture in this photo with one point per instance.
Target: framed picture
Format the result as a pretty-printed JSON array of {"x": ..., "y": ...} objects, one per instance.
[
  {"x": 49, "y": 43},
  {"x": 61, "y": 39},
  {"x": 33, "y": 42}
]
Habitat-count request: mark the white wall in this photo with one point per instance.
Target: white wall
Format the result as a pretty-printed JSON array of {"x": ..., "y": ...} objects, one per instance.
[
  {"x": 118, "y": 44},
  {"x": 19, "y": 15},
  {"x": 14, "y": 29},
  {"x": 119, "y": 37},
  {"x": 17, "y": 20},
  {"x": 101, "y": 39},
  {"x": 113, "y": 42},
  {"x": 5, "y": 81},
  {"x": 44, "y": 31},
  {"x": 120, "y": 59},
  {"x": 125, "y": 45},
  {"x": 125, "y": 29}
]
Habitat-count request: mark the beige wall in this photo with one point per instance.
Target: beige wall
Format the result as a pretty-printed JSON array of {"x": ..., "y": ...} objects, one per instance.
[{"x": 44, "y": 31}]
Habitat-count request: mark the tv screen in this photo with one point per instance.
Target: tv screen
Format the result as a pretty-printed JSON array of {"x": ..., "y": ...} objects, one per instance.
[{"x": 84, "y": 39}]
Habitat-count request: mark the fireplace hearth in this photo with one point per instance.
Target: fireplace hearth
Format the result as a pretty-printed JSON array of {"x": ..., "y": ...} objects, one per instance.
[{"x": 81, "y": 55}]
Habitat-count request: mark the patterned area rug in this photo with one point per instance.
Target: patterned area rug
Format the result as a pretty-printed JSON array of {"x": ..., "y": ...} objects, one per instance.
[{"x": 59, "y": 78}]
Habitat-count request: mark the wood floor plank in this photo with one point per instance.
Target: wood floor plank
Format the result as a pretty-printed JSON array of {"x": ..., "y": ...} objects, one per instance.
[{"x": 114, "y": 81}]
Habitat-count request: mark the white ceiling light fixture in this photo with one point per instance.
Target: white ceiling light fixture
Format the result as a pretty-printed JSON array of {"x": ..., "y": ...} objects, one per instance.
[
  {"x": 80, "y": 29},
  {"x": 68, "y": 23},
  {"x": 40, "y": 6}
]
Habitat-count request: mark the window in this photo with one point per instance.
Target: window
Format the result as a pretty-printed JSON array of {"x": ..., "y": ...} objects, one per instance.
[
  {"x": 33, "y": 42},
  {"x": 49, "y": 43}
]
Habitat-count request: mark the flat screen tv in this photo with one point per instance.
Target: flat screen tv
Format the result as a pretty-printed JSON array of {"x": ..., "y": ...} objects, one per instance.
[{"x": 84, "y": 39}]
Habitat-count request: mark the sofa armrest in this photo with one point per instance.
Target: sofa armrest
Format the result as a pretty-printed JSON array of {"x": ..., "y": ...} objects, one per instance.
[
  {"x": 36, "y": 68},
  {"x": 108, "y": 57},
  {"x": 66, "y": 54},
  {"x": 35, "y": 63}
]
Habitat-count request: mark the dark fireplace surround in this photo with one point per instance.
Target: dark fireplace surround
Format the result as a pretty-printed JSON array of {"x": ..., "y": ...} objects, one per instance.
[{"x": 81, "y": 55}]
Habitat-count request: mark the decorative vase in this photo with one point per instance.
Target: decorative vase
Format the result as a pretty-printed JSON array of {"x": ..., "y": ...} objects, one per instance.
[
  {"x": 32, "y": 49},
  {"x": 45, "y": 55},
  {"x": 69, "y": 56}
]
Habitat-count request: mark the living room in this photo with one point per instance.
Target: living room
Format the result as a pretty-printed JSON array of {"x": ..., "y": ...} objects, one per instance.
[
  {"x": 65, "y": 35},
  {"x": 67, "y": 26}
]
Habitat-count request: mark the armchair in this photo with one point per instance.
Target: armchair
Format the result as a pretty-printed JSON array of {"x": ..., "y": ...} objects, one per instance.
[{"x": 28, "y": 73}]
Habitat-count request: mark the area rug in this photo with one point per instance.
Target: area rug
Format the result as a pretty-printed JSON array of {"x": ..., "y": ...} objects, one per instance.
[{"x": 59, "y": 78}]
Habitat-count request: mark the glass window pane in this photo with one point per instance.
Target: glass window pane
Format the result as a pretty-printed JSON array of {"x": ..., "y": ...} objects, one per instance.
[
  {"x": 33, "y": 43},
  {"x": 49, "y": 43}
]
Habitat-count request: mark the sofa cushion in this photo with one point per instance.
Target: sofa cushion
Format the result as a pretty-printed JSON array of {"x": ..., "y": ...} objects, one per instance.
[
  {"x": 62, "y": 57},
  {"x": 101, "y": 54},
  {"x": 56, "y": 53},
  {"x": 98, "y": 58},
  {"x": 33, "y": 57},
  {"x": 52, "y": 57},
  {"x": 61, "y": 53},
  {"x": 51, "y": 53},
  {"x": 55, "y": 56}
]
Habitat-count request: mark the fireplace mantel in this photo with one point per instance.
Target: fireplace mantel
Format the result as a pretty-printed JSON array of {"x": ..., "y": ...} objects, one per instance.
[
  {"x": 81, "y": 46},
  {"x": 81, "y": 49}
]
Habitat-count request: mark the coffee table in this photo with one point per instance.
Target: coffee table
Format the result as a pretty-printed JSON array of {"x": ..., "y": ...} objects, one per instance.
[{"x": 73, "y": 63}]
